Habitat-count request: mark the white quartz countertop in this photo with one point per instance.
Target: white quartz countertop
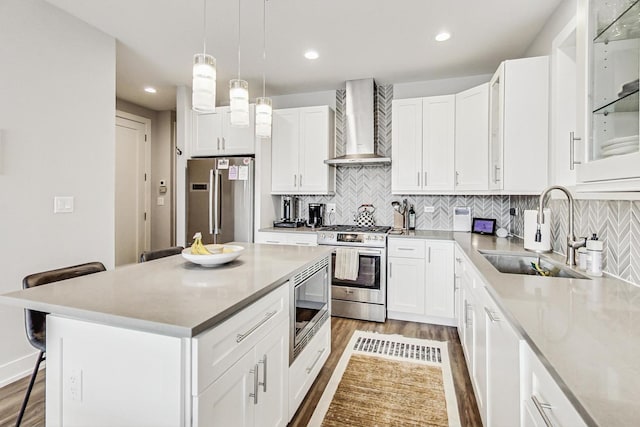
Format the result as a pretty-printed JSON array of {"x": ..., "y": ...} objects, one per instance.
[
  {"x": 585, "y": 331},
  {"x": 303, "y": 230},
  {"x": 171, "y": 296}
]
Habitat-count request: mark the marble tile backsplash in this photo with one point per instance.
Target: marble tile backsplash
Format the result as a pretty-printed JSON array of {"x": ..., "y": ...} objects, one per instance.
[{"x": 616, "y": 222}]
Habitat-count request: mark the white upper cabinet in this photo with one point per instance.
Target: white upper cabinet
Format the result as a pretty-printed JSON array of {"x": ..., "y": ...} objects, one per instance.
[
  {"x": 518, "y": 123},
  {"x": 213, "y": 134},
  {"x": 563, "y": 149},
  {"x": 472, "y": 139},
  {"x": 608, "y": 62},
  {"x": 423, "y": 144},
  {"x": 302, "y": 139}
]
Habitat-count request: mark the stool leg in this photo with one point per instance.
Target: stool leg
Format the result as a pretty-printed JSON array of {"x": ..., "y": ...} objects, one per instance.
[{"x": 26, "y": 397}]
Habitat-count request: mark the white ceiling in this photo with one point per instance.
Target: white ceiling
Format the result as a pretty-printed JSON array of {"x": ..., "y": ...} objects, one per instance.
[{"x": 390, "y": 40}]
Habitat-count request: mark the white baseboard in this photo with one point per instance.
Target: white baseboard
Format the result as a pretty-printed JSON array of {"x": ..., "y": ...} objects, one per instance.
[
  {"x": 19, "y": 368},
  {"x": 410, "y": 317}
]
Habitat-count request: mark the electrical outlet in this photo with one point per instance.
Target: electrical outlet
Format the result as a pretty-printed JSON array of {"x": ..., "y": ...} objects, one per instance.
[
  {"x": 331, "y": 207},
  {"x": 513, "y": 211},
  {"x": 429, "y": 209},
  {"x": 75, "y": 384}
]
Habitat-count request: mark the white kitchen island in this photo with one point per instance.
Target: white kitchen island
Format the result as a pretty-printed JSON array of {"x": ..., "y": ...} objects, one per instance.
[{"x": 170, "y": 343}]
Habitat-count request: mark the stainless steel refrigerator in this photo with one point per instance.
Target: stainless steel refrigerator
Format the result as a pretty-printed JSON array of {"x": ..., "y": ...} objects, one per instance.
[{"x": 220, "y": 194}]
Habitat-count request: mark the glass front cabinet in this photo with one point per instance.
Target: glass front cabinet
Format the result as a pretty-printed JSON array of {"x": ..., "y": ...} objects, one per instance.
[{"x": 610, "y": 31}]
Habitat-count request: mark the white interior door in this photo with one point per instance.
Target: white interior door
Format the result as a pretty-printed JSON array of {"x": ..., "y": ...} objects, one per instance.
[
  {"x": 563, "y": 111},
  {"x": 132, "y": 231}
]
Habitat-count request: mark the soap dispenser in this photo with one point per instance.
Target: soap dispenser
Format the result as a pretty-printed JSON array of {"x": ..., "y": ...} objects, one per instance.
[{"x": 594, "y": 250}]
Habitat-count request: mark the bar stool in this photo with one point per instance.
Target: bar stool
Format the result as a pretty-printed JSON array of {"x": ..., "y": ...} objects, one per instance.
[
  {"x": 35, "y": 321},
  {"x": 160, "y": 253}
]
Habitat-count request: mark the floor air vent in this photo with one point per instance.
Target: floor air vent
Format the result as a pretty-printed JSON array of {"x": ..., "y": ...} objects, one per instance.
[{"x": 398, "y": 348}]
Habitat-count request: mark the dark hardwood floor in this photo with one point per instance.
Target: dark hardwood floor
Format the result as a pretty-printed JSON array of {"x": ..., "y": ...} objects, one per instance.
[
  {"x": 11, "y": 397},
  {"x": 341, "y": 329}
]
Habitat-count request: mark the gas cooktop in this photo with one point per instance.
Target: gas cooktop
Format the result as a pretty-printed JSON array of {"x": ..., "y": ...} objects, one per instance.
[
  {"x": 353, "y": 235},
  {"x": 356, "y": 229}
]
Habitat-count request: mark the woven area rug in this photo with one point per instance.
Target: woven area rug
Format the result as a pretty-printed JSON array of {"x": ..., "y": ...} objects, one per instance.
[{"x": 389, "y": 380}]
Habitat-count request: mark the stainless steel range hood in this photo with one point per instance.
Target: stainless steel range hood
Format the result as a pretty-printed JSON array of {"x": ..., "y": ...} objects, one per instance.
[{"x": 360, "y": 126}]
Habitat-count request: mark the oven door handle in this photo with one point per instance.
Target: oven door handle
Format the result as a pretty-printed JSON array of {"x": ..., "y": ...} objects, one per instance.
[{"x": 368, "y": 252}]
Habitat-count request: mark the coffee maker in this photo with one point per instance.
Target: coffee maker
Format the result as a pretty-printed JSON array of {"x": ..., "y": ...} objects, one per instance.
[
  {"x": 316, "y": 215},
  {"x": 290, "y": 213}
]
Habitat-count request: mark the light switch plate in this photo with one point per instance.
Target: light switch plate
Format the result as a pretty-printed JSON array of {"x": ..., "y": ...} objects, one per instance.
[
  {"x": 160, "y": 201},
  {"x": 63, "y": 204}
]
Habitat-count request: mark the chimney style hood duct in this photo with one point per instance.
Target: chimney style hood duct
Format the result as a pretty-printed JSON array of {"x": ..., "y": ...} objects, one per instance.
[{"x": 360, "y": 126}]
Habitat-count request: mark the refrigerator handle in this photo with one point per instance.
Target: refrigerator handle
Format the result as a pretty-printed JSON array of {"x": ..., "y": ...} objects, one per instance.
[
  {"x": 217, "y": 204},
  {"x": 210, "y": 201}
]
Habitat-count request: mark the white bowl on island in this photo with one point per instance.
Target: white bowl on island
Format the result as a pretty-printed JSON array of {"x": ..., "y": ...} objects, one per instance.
[{"x": 228, "y": 254}]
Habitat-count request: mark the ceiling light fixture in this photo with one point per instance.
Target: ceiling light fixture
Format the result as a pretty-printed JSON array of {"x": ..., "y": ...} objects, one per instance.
[
  {"x": 204, "y": 76},
  {"x": 264, "y": 106},
  {"x": 443, "y": 36},
  {"x": 311, "y": 54},
  {"x": 239, "y": 92},
  {"x": 150, "y": 89}
]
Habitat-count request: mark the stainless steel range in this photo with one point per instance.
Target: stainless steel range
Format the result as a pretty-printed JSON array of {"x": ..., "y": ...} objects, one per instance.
[{"x": 365, "y": 297}]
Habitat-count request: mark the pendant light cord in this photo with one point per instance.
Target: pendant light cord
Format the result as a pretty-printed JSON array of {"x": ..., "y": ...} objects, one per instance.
[
  {"x": 264, "y": 44},
  {"x": 204, "y": 28},
  {"x": 239, "y": 3}
]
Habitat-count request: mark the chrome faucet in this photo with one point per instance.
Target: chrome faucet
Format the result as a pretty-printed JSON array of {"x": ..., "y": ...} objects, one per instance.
[{"x": 572, "y": 243}]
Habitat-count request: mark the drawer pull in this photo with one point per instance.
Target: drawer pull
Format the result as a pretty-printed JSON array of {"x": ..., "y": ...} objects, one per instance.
[
  {"x": 406, "y": 249},
  {"x": 266, "y": 317},
  {"x": 254, "y": 371},
  {"x": 492, "y": 315},
  {"x": 264, "y": 375},
  {"x": 541, "y": 406},
  {"x": 320, "y": 353},
  {"x": 273, "y": 241}
]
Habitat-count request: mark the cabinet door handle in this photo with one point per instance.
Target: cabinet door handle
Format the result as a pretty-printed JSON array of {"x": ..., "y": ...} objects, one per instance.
[
  {"x": 492, "y": 315},
  {"x": 264, "y": 375},
  {"x": 455, "y": 282},
  {"x": 541, "y": 406},
  {"x": 429, "y": 255},
  {"x": 467, "y": 306},
  {"x": 254, "y": 371},
  {"x": 425, "y": 178},
  {"x": 457, "y": 178},
  {"x": 390, "y": 271},
  {"x": 572, "y": 150},
  {"x": 266, "y": 317},
  {"x": 218, "y": 143},
  {"x": 300, "y": 180},
  {"x": 320, "y": 353},
  {"x": 418, "y": 179},
  {"x": 496, "y": 168},
  {"x": 223, "y": 143},
  {"x": 295, "y": 179}
]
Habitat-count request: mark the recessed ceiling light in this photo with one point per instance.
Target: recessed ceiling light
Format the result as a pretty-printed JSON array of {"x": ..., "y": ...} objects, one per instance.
[
  {"x": 443, "y": 36},
  {"x": 311, "y": 54},
  {"x": 150, "y": 89}
]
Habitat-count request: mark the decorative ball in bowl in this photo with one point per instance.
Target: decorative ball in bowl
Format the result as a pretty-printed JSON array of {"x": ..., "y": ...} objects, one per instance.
[{"x": 220, "y": 254}]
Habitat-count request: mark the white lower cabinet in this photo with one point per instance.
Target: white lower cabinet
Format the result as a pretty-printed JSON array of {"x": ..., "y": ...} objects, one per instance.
[
  {"x": 304, "y": 370},
  {"x": 253, "y": 391},
  {"x": 240, "y": 371},
  {"x": 287, "y": 238},
  {"x": 512, "y": 387},
  {"x": 503, "y": 368},
  {"x": 543, "y": 403},
  {"x": 420, "y": 285}
]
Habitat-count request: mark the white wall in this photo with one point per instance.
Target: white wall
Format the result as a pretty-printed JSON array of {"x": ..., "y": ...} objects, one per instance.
[
  {"x": 57, "y": 107},
  {"x": 541, "y": 45},
  {"x": 438, "y": 87}
]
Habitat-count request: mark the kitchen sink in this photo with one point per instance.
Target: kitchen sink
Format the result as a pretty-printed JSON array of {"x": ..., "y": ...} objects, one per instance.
[{"x": 521, "y": 264}]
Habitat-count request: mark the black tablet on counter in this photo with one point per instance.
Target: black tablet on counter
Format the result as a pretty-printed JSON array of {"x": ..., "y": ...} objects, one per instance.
[{"x": 483, "y": 226}]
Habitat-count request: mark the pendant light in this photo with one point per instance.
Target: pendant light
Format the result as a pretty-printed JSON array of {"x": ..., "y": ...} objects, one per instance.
[
  {"x": 239, "y": 92},
  {"x": 263, "y": 105},
  {"x": 204, "y": 76}
]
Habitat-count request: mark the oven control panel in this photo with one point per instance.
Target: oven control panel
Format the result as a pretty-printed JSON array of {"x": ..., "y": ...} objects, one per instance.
[{"x": 352, "y": 239}]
